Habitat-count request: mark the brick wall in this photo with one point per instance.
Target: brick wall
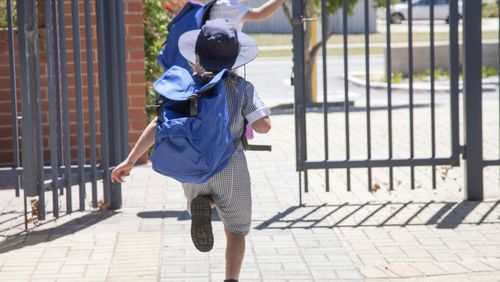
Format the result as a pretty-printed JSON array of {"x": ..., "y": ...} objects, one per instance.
[{"x": 134, "y": 48}]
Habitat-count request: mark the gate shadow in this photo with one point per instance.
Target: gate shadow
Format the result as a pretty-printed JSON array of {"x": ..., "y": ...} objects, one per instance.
[
  {"x": 33, "y": 237},
  {"x": 442, "y": 215}
]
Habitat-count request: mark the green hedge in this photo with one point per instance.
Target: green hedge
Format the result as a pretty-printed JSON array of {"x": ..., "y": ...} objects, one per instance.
[
  {"x": 490, "y": 10},
  {"x": 3, "y": 13},
  {"x": 156, "y": 21}
]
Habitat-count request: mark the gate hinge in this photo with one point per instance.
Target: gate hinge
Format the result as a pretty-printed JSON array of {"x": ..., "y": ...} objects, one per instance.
[
  {"x": 302, "y": 20},
  {"x": 463, "y": 152}
]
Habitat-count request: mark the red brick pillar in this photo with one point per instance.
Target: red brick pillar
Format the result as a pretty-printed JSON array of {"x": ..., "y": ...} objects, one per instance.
[{"x": 136, "y": 79}]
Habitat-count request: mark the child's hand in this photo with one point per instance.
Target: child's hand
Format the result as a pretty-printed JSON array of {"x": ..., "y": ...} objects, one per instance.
[
  {"x": 121, "y": 171},
  {"x": 262, "y": 125}
]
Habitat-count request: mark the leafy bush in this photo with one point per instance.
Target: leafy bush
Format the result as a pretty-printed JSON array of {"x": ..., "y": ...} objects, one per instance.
[
  {"x": 3, "y": 13},
  {"x": 156, "y": 20},
  {"x": 490, "y": 71},
  {"x": 396, "y": 77},
  {"x": 382, "y": 3},
  {"x": 439, "y": 74},
  {"x": 490, "y": 10}
]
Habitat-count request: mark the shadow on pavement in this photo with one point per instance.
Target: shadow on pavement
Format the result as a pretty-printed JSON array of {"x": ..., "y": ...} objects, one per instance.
[
  {"x": 13, "y": 218},
  {"x": 31, "y": 238},
  {"x": 442, "y": 215}
]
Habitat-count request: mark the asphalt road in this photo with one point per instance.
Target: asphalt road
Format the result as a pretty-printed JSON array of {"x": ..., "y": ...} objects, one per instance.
[
  {"x": 271, "y": 78},
  {"x": 487, "y": 24}
]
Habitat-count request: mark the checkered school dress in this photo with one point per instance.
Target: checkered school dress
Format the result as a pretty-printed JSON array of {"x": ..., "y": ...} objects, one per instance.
[{"x": 230, "y": 188}]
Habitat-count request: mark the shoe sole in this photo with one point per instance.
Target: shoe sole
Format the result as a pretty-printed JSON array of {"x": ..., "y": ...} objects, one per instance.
[{"x": 201, "y": 224}]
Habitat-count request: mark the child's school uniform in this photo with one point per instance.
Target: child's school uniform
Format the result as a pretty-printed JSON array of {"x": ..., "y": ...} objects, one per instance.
[{"x": 230, "y": 189}]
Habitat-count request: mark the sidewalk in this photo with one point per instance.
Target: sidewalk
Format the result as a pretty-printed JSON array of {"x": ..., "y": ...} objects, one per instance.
[
  {"x": 400, "y": 235},
  {"x": 149, "y": 239}
]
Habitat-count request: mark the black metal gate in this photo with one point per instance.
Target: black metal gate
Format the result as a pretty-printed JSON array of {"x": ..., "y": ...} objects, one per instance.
[
  {"x": 71, "y": 163},
  {"x": 472, "y": 149}
]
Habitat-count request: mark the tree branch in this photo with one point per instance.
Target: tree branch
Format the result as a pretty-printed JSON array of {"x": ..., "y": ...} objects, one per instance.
[
  {"x": 286, "y": 10},
  {"x": 316, "y": 47}
]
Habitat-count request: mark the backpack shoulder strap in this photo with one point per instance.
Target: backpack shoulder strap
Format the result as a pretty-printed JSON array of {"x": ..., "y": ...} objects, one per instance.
[
  {"x": 218, "y": 77},
  {"x": 185, "y": 9}
]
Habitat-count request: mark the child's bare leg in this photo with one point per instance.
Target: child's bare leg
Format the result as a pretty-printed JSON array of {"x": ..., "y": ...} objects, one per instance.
[{"x": 235, "y": 251}]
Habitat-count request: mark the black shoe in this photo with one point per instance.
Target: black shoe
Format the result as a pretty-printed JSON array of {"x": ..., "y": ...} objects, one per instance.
[
  {"x": 230, "y": 280},
  {"x": 201, "y": 224}
]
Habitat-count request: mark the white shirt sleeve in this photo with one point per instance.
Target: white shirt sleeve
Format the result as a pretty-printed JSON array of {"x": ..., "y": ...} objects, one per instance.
[
  {"x": 257, "y": 114},
  {"x": 232, "y": 11},
  {"x": 253, "y": 107}
]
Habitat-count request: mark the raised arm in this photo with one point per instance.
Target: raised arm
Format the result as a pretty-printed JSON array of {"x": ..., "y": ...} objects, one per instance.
[
  {"x": 146, "y": 140},
  {"x": 263, "y": 12}
]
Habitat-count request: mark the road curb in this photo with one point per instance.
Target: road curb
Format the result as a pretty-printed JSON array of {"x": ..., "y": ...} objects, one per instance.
[{"x": 489, "y": 85}]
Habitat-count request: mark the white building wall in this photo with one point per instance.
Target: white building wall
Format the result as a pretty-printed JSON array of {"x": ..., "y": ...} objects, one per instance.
[{"x": 278, "y": 23}]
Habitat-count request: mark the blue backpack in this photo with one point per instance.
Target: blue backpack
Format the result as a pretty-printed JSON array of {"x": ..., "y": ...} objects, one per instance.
[
  {"x": 193, "y": 137},
  {"x": 192, "y": 16}
]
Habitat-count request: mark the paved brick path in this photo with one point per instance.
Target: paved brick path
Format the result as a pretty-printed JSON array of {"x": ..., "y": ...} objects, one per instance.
[{"x": 400, "y": 235}]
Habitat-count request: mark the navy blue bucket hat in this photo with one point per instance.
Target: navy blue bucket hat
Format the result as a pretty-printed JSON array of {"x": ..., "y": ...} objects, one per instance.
[{"x": 219, "y": 46}]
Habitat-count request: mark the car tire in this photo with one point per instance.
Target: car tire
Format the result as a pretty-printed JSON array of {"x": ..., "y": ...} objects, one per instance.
[{"x": 397, "y": 18}]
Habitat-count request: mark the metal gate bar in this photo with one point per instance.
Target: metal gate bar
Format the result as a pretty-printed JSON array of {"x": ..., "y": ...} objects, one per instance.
[
  {"x": 57, "y": 94},
  {"x": 324, "y": 54},
  {"x": 52, "y": 106},
  {"x": 475, "y": 162},
  {"x": 454, "y": 82},
  {"x": 91, "y": 102},
  {"x": 60, "y": 174},
  {"x": 376, "y": 163},
  {"x": 13, "y": 97},
  {"x": 368, "y": 93},
  {"x": 410, "y": 92},
  {"x": 389, "y": 92},
  {"x": 122, "y": 83},
  {"x": 433, "y": 102},
  {"x": 79, "y": 101},
  {"x": 66, "y": 151},
  {"x": 118, "y": 122},
  {"x": 103, "y": 97},
  {"x": 299, "y": 87},
  {"x": 38, "y": 121},
  {"x": 473, "y": 99},
  {"x": 28, "y": 47},
  {"x": 346, "y": 89},
  {"x": 413, "y": 161}
]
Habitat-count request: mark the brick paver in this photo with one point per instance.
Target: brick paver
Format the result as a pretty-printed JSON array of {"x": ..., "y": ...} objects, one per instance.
[{"x": 407, "y": 235}]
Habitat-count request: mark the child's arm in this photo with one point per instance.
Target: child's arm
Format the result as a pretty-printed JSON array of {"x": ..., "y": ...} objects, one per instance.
[
  {"x": 263, "y": 12},
  {"x": 146, "y": 140},
  {"x": 255, "y": 111}
]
